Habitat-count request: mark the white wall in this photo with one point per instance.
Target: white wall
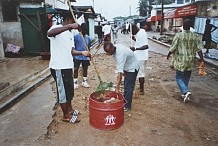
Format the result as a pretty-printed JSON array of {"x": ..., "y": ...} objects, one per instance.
[
  {"x": 91, "y": 28},
  {"x": 1, "y": 46},
  {"x": 11, "y": 32},
  {"x": 58, "y": 4},
  {"x": 30, "y": 5}
]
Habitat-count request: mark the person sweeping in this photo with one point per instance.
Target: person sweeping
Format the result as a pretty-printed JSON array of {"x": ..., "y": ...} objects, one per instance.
[
  {"x": 61, "y": 64},
  {"x": 81, "y": 59},
  {"x": 127, "y": 66}
]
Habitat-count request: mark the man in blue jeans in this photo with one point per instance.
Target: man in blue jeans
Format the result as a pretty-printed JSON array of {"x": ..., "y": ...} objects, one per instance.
[
  {"x": 127, "y": 66},
  {"x": 184, "y": 47}
]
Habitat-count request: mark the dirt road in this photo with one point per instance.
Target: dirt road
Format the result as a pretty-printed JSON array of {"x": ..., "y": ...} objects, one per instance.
[{"x": 157, "y": 118}]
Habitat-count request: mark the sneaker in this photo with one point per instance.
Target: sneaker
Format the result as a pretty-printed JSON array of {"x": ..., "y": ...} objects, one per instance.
[
  {"x": 85, "y": 84},
  {"x": 187, "y": 96},
  {"x": 76, "y": 86},
  {"x": 126, "y": 109}
]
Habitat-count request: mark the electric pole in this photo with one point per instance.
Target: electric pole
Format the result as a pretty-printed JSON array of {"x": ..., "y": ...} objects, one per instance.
[{"x": 162, "y": 17}]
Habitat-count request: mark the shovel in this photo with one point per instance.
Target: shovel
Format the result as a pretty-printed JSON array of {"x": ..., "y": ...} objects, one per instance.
[{"x": 102, "y": 85}]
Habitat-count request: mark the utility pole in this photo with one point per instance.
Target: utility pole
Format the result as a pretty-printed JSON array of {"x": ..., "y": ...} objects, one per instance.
[
  {"x": 130, "y": 11},
  {"x": 93, "y": 3},
  {"x": 156, "y": 22},
  {"x": 162, "y": 17}
]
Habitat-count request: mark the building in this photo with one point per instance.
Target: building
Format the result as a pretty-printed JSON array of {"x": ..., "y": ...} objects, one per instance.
[
  {"x": 89, "y": 16},
  {"x": 10, "y": 23},
  {"x": 28, "y": 21},
  {"x": 155, "y": 17}
]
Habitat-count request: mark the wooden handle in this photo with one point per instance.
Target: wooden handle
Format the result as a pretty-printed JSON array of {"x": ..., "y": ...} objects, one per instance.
[{"x": 71, "y": 10}]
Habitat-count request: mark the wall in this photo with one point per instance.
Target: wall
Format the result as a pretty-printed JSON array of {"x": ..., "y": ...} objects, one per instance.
[
  {"x": 58, "y": 4},
  {"x": 205, "y": 9},
  {"x": 91, "y": 28},
  {"x": 11, "y": 31},
  {"x": 1, "y": 41},
  {"x": 1, "y": 46}
]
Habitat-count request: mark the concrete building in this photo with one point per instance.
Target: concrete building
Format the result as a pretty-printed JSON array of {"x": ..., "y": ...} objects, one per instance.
[
  {"x": 89, "y": 16},
  {"x": 155, "y": 17},
  {"x": 10, "y": 25}
]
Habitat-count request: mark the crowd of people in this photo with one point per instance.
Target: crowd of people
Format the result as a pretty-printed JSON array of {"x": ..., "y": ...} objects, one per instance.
[{"x": 68, "y": 52}]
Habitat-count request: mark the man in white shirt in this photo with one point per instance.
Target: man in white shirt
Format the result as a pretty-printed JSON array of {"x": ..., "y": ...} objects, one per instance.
[
  {"x": 127, "y": 66},
  {"x": 127, "y": 27},
  {"x": 61, "y": 64},
  {"x": 141, "y": 52},
  {"x": 107, "y": 32}
]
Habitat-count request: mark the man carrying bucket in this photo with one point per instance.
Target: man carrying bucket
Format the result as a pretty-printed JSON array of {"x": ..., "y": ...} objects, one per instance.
[
  {"x": 61, "y": 64},
  {"x": 127, "y": 66}
]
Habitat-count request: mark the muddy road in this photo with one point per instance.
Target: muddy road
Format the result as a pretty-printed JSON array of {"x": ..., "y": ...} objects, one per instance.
[{"x": 157, "y": 118}]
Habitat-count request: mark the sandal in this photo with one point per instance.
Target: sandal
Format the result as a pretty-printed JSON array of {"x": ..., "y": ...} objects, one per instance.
[
  {"x": 75, "y": 112},
  {"x": 74, "y": 119}
]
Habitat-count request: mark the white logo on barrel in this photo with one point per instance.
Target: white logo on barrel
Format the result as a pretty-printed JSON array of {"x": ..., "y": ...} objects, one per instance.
[{"x": 110, "y": 120}]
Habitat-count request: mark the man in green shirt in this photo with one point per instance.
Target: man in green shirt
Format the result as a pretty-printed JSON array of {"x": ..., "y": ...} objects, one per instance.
[{"x": 184, "y": 48}]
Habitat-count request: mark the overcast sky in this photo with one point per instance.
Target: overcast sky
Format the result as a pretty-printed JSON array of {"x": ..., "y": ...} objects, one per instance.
[{"x": 111, "y": 8}]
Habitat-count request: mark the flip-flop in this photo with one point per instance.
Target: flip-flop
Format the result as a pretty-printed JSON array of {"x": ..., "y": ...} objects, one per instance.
[
  {"x": 74, "y": 119},
  {"x": 75, "y": 112}
]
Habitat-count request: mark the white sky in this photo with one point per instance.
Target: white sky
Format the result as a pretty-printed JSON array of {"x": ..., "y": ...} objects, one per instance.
[{"x": 111, "y": 8}]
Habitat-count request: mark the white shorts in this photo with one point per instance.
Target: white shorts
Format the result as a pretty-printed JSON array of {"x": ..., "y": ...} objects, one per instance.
[{"x": 141, "y": 73}]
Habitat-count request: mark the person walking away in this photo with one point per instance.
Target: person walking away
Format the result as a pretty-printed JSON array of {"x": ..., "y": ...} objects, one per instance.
[
  {"x": 127, "y": 27},
  {"x": 127, "y": 66},
  {"x": 99, "y": 33},
  {"x": 115, "y": 31},
  {"x": 123, "y": 29},
  {"x": 209, "y": 28},
  {"x": 81, "y": 59},
  {"x": 107, "y": 32},
  {"x": 141, "y": 52},
  {"x": 61, "y": 65},
  {"x": 184, "y": 47}
]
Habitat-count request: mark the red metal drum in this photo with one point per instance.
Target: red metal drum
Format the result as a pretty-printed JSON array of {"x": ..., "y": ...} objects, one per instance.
[{"x": 106, "y": 116}]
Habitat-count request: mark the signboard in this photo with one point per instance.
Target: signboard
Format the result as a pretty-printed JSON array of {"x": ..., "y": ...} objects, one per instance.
[{"x": 186, "y": 11}]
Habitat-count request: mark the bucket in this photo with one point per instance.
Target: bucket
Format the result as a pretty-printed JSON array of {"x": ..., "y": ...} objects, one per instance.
[{"x": 106, "y": 116}]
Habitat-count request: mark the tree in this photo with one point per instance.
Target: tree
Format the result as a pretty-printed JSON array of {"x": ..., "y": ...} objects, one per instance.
[{"x": 145, "y": 6}]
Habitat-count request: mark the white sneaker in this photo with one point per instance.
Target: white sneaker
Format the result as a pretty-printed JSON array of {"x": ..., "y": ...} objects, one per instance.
[
  {"x": 85, "y": 84},
  {"x": 187, "y": 96},
  {"x": 76, "y": 86}
]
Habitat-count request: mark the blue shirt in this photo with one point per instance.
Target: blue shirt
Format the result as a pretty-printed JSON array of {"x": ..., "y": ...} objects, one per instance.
[{"x": 80, "y": 46}]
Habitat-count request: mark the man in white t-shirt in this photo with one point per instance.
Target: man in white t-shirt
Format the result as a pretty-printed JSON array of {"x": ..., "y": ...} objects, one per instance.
[
  {"x": 141, "y": 52},
  {"x": 127, "y": 27},
  {"x": 61, "y": 64},
  {"x": 106, "y": 29}
]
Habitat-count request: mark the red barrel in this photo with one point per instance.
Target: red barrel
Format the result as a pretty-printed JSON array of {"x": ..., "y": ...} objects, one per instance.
[{"x": 106, "y": 116}]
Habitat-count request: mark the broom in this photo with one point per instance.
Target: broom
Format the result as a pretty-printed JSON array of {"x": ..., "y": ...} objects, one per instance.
[
  {"x": 102, "y": 85},
  {"x": 136, "y": 93}
]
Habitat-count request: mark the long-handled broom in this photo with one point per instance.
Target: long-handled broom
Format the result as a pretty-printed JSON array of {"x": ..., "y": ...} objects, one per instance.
[{"x": 136, "y": 93}]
